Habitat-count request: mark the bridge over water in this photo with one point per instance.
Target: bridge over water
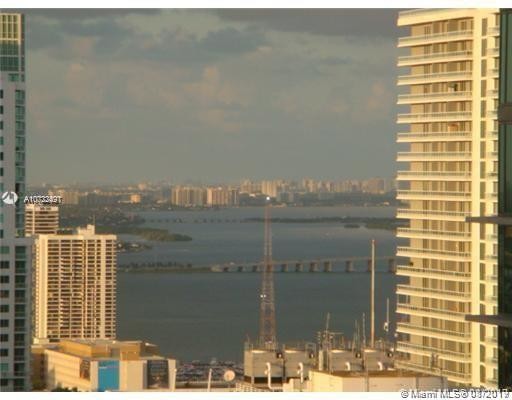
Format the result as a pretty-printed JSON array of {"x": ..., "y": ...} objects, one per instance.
[{"x": 330, "y": 264}]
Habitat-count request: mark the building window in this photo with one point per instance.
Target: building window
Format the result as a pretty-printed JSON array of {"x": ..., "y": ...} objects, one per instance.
[
  {"x": 4, "y": 279},
  {"x": 4, "y": 337},
  {"x": 4, "y": 323}
]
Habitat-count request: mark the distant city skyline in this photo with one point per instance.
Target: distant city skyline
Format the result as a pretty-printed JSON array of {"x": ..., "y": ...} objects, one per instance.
[{"x": 134, "y": 95}]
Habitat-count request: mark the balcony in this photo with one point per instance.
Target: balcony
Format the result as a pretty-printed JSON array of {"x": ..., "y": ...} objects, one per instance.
[
  {"x": 435, "y": 332},
  {"x": 491, "y": 299},
  {"x": 493, "y": 31},
  {"x": 433, "y": 176},
  {"x": 491, "y": 257},
  {"x": 434, "y": 77},
  {"x": 433, "y": 97},
  {"x": 432, "y": 195},
  {"x": 404, "y": 270},
  {"x": 491, "y": 340},
  {"x": 491, "y": 360},
  {"x": 491, "y": 278},
  {"x": 452, "y": 375},
  {"x": 433, "y": 117},
  {"x": 410, "y": 137},
  {"x": 437, "y": 215},
  {"x": 492, "y": 93},
  {"x": 492, "y": 154},
  {"x": 408, "y": 309},
  {"x": 434, "y": 38},
  {"x": 431, "y": 234},
  {"x": 493, "y": 52},
  {"x": 404, "y": 61},
  {"x": 492, "y": 135},
  {"x": 434, "y": 254},
  {"x": 493, "y": 72},
  {"x": 491, "y": 114},
  {"x": 427, "y": 351},
  {"x": 408, "y": 156},
  {"x": 432, "y": 293}
]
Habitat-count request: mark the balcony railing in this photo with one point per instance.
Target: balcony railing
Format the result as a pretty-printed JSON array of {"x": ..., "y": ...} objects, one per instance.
[
  {"x": 494, "y": 51},
  {"x": 425, "y": 233},
  {"x": 433, "y": 175},
  {"x": 432, "y": 57},
  {"x": 427, "y": 97},
  {"x": 422, "y": 329},
  {"x": 494, "y": 30},
  {"x": 424, "y": 253},
  {"x": 492, "y": 93},
  {"x": 451, "y": 293},
  {"x": 491, "y": 114},
  {"x": 408, "y": 270},
  {"x": 426, "y": 311},
  {"x": 465, "y": 356},
  {"x": 444, "y": 36},
  {"x": 491, "y": 299},
  {"x": 442, "y": 116},
  {"x": 429, "y": 213},
  {"x": 416, "y": 155},
  {"x": 440, "y": 76},
  {"x": 458, "y": 376},
  {"x": 430, "y": 136},
  {"x": 410, "y": 194}
]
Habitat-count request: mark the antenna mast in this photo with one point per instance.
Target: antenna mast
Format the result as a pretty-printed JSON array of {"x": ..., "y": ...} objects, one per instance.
[{"x": 267, "y": 304}]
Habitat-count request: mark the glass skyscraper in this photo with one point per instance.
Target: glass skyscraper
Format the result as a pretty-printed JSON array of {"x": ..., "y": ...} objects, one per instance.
[{"x": 15, "y": 250}]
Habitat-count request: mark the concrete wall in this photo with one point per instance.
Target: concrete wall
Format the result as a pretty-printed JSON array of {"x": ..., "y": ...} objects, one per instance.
[{"x": 63, "y": 370}]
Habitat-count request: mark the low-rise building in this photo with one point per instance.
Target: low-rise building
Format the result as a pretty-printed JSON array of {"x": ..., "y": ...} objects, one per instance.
[
  {"x": 102, "y": 365},
  {"x": 366, "y": 381}
]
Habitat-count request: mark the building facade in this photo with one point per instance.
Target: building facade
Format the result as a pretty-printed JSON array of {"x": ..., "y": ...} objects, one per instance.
[
  {"x": 451, "y": 91},
  {"x": 103, "y": 365},
  {"x": 41, "y": 219},
  {"x": 75, "y": 286},
  {"x": 15, "y": 251}
]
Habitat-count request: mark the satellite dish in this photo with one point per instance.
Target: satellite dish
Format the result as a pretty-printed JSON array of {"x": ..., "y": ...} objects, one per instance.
[{"x": 229, "y": 375}]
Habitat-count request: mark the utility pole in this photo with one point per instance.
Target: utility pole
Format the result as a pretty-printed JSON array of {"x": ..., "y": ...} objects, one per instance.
[
  {"x": 372, "y": 299},
  {"x": 267, "y": 336}
]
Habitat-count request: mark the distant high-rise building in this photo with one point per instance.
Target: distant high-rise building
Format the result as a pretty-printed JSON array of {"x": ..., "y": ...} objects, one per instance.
[
  {"x": 271, "y": 188},
  {"x": 75, "y": 286},
  {"x": 69, "y": 197},
  {"x": 41, "y": 219},
  {"x": 15, "y": 250},
  {"x": 221, "y": 197},
  {"x": 452, "y": 93},
  {"x": 188, "y": 196}
]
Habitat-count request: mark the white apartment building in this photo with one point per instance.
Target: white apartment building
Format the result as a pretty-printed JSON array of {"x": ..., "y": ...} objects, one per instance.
[
  {"x": 450, "y": 86},
  {"x": 15, "y": 250},
  {"x": 41, "y": 219},
  {"x": 75, "y": 286}
]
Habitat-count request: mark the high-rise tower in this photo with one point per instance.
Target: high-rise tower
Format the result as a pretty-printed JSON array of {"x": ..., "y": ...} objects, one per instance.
[
  {"x": 15, "y": 253},
  {"x": 451, "y": 91},
  {"x": 267, "y": 337}
]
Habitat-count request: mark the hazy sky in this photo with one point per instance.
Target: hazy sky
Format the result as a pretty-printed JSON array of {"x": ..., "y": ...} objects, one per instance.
[{"x": 210, "y": 95}]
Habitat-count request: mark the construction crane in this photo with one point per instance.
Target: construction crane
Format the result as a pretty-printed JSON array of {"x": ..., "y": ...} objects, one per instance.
[{"x": 267, "y": 337}]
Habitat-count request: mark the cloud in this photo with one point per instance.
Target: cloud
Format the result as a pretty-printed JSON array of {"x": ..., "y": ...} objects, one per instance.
[
  {"x": 329, "y": 22},
  {"x": 85, "y": 13}
]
